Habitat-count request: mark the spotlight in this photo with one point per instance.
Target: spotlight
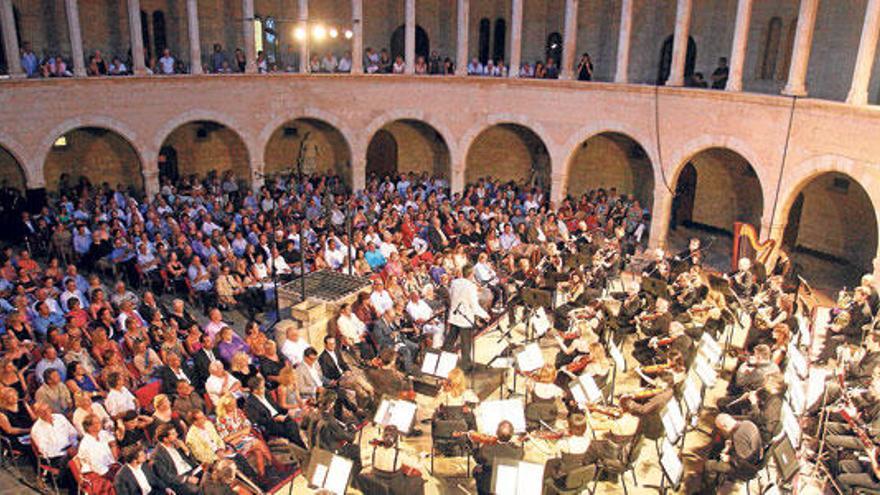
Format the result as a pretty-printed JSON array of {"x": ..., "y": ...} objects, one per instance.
[
  {"x": 333, "y": 33},
  {"x": 348, "y": 34},
  {"x": 319, "y": 32},
  {"x": 299, "y": 33}
]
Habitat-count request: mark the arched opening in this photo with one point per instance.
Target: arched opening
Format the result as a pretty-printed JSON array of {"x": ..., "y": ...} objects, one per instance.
[
  {"x": 715, "y": 188},
  {"x": 666, "y": 59},
  {"x": 11, "y": 173},
  {"x": 405, "y": 146},
  {"x": 321, "y": 147},
  {"x": 93, "y": 154},
  {"x": 612, "y": 160},
  {"x": 509, "y": 152},
  {"x": 145, "y": 34},
  {"x": 771, "y": 48},
  {"x": 160, "y": 33},
  {"x": 554, "y": 48},
  {"x": 831, "y": 231},
  {"x": 205, "y": 148},
  {"x": 483, "y": 43},
  {"x": 12, "y": 192},
  {"x": 499, "y": 43},
  {"x": 398, "y": 42}
]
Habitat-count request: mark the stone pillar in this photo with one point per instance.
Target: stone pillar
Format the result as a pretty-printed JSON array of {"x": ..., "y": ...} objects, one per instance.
[
  {"x": 151, "y": 183},
  {"x": 250, "y": 48},
  {"x": 621, "y": 73},
  {"x": 76, "y": 44},
  {"x": 357, "y": 39},
  {"x": 456, "y": 182},
  {"x": 661, "y": 213},
  {"x": 803, "y": 43},
  {"x": 461, "y": 44},
  {"x": 740, "y": 41},
  {"x": 137, "y": 38},
  {"x": 516, "y": 23},
  {"x": 195, "y": 47},
  {"x": 410, "y": 36},
  {"x": 680, "y": 43},
  {"x": 303, "y": 16},
  {"x": 557, "y": 189},
  {"x": 359, "y": 168},
  {"x": 858, "y": 92},
  {"x": 569, "y": 41},
  {"x": 10, "y": 39}
]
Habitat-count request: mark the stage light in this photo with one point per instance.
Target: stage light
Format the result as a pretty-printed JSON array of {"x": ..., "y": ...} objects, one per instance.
[
  {"x": 348, "y": 34},
  {"x": 319, "y": 32},
  {"x": 333, "y": 33},
  {"x": 299, "y": 33}
]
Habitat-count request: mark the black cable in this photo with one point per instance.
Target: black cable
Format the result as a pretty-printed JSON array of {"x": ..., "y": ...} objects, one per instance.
[
  {"x": 784, "y": 159},
  {"x": 657, "y": 139}
]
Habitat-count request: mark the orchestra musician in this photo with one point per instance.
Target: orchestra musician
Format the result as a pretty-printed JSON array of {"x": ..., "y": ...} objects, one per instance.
[
  {"x": 656, "y": 322},
  {"x": 750, "y": 375},
  {"x": 575, "y": 344},
  {"x": 743, "y": 280},
  {"x": 487, "y": 277},
  {"x": 614, "y": 438},
  {"x": 501, "y": 446},
  {"x": 544, "y": 397},
  {"x": 648, "y": 404},
  {"x": 395, "y": 465},
  {"x": 741, "y": 455},
  {"x": 690, "y": 257},
  {"x": 456, "y": 400},
  {"x": 630, "y": 307},
  {"x": 654, "y": 349},
  {"x": 764, "y": 406},
  {"x": 571, "y": 451},
  {"x": 333, "y": 435}
]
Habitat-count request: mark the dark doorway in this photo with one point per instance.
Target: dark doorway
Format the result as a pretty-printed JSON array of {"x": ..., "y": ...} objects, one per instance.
[
  {"x": 485, "y": 34},
  {"x": 554, "y": 48},
  {"x": 685, "y": 193},
  {"x": 145, "y": 34},
  {"x": 398, "y": 42},
  {"x": 160, "y": 34},
  {"x": 500, "y": 39},
  {"x": 168, "y": 164},
  {"x": 666, "y": 60},
  {"x": 382, "y": 154},
  {"x": 790, "y": 235}
]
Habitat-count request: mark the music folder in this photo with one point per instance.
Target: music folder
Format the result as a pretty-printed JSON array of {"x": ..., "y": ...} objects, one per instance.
[
  {"x": 397, "y": 412},
  {"x": 514, "y": 477},
  {"x": 705, "y": 372},
  {"x": 489, "y": 414},
  {"x": 709, "y": 347},
  {"x": 692, "y": 396},
  {"x": 673, "y": 421},
  {"x": 616, "y": 355},
  {"x": 584, "y": 390},
  {"x": 530, "y": 358},
  {"x": 328, "y": 471},
  {"x": 671, "y": 464},
  {"x": 439, "y": 364},
  {"x": 540, "y": 322}
]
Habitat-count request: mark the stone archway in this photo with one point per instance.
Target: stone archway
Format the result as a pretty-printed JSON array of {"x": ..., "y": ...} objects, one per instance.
[
  {"x": 611, "y": 160},
  {"x": 11, "y": 171},
  {"x": 408, "y": 146},
  {"x": 92, "y": 154},
  {"x": 509, "y": 152},
  {"x": 323, "y": 147},
  {"x": 204, "y": 147}
]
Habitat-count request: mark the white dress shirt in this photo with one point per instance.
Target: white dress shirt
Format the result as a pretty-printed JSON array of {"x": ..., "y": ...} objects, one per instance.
[
  {"x": 419, "y": 311},
  {"x": 351, "y": 327},
  {"x": 382, "y": 301},
  {"x": 180, "y": 465},
  {"x": 54, "y": 439},
  {"x": 216, "y": 386},
  {"x": 464, "y": 303},
  {"x": 119, "y": 401},
  {"x": 141, "y": 478},
  {"x": 95, "y": 453},
  {"x": 293, "y": 350}
]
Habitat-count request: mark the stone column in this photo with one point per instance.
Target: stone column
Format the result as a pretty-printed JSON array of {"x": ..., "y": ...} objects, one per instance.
[
  {"x": 569, "y": 41},
  {"x": 740, "y": 41},
  {"x": 250, "y": 48},
  {"x": 516, "y": 23},
  {"x": 303, "y": 16},
  {"x": 858, "y": 92},
  {"x": 461, "y": 44},
  {"x": 10, "y": 39},
  {"x": 456, "y": 182},
  {"x": 661, "y": 213},
  {"x": 76, "y": 44},
  {"x": 680, "y": 43},
  {"x": 410, "y": 36},
  {"x": 803, "y": 43},
  {"x": 357, "y": 39},
  {"x": 195, "y": 48},
  {"x": 137, "y": 38},
  {"x": 621, "y": 73}
]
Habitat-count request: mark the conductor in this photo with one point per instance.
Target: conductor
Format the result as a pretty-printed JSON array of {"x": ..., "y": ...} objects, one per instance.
[{"x": 464, "y": 308}]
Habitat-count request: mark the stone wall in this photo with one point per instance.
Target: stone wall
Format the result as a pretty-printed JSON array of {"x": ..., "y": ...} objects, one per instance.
[
  {"x": 607, "y": 161},
  {"x": 219, "y": 151},
  {"x": 499, "y": 152},
  {"x": 328, "y": 152},
  {"x": 418, "y": 150},
  {"x": 96, "y": 154}
]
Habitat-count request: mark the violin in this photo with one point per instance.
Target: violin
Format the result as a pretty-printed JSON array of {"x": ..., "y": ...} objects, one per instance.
[
  {"x": 476, "y": 437},
  {"x": 656, "y": 369},
  {"x": 579, "y": 364},
  {"x": 664, "y": 342},
  {"x": 614, "y": 412},
  {"x": 646, "y": 393}
]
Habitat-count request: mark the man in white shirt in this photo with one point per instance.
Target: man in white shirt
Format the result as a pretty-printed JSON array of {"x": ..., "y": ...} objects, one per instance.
[
  {"x": 386, "y": 247},
  {"x": 166, "y": 63},
  {"x": 334, "y": 255},
  {"x": 487, "y": 277},
  {"x": 380, "y": 298},
  {"x": 54, "y": 438},
  {"x": 216, "y": 323},
  {"x": 475, "y": 68},
  {"x": 135, "y": 477},
  {"x": 97, "y": 449},
  {"x": 310, "y": 380},
  {"x": 293, "y": 347},
  {"x": 464, "y": 309},
  {"x": 220, "y": 383},
  {"x": 344, "y": 63},
  {"x": 119, "y": 400},
  {"x": 350, "y": 327},
  {"x": 421, "y": 314}
]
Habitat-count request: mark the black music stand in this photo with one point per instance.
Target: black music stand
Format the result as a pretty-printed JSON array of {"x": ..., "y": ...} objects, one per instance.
[
  {"x": 657, "y": 287},
  {"x": 534, "y": 299}
]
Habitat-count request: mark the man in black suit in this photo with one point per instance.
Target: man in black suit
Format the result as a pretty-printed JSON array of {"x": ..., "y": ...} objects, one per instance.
[
  {"x": 487, "y": 454},
  {"x": 136, "y": 477},
  {"x": 202, "y": 361},
  {"x": 340, "y": 375},
  {"x": 436, "y": 237},
  {"x": 386, "y": 333},
  {"x": 172, "y": 373},
  {"x": 268, "y": 416},
  {"x": 172, "y": 463}
]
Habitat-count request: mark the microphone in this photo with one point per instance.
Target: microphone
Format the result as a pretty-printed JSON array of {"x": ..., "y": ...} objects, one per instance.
[{"x": 457, "y": 309}]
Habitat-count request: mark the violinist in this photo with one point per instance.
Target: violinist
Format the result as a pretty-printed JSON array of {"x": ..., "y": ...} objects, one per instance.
[
  {"x": 576, "y": 344},
  {"x": 631, "y": 306},
  {"x": 595, "y": 364},
  {"x": 544, "y": 397},
  {"x": 647, "y": 405},
  {"x": 572, "y": 293},
  {"x": 656, "y": 322},
  {"x": 690, "y": 257},
  {"x": 614, "y": 443},
  {"x": 765, "y": 406},
  {"x": 674, "y": 364},
  {"x": 456, "y": 400},
  {"x": 863, "y": 411},
  {"x": 386, "y": 378},
  {"x": 395, "y": 466},
  {"x": 653, "y": 349},
  {"x": 571, "y": 450},
  {"x": 502, "y": 447}
]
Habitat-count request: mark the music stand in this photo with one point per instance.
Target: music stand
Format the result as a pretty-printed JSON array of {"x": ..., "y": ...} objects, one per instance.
[
  {"x": 790, "y": 425},
  {"x": 619, "y": 364},
  {"x": 585, "y": 391},
  {"x": 705, "y": 372},
  {"x": 527, "y": 360},
  {"x": 797, "y": 361},
  {"x": 671, "y": 467},
  {"x": 538, "y": 301},
  {"x": 489, "y": 414},
  {"x": 439, "y": 364},
  {"x": 710, "y": 349},
  {"x": 329, "y": 471},
  {"x": 673, "y": 422},
  {"x": 515, "y": 477},
  {"x": 398, "y": 412}
]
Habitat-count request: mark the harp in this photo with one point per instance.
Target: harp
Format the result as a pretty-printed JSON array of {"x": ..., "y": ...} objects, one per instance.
[{"x": 747, "y": 245}]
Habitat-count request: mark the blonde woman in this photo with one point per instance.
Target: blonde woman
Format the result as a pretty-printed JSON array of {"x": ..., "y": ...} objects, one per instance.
[
  {"x": 288, "y": 394},
  {"x": 164, "y": 414},
  {"x": 237, "y": 431},
  {"x": 456, "y": 400}
]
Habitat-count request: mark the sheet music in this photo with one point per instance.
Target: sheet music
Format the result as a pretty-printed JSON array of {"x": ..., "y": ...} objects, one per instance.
[
  {"x": 673, "y": 421},
  {"x": 691, "y": 395},
  {"x": 616, "y": 355},
  {"x": 790, "y": 425},
  {"x": 382, "y": 412},
  {"x": 797, "y": 360},
  {"x": 796, "y": 395},
  {"x": 705, "y": 372},
  {"x": 506, "y": 479},
  {"x": 593, "y": 392},
  {"x": 578, "y": 393},
  {"x": 710, "y": 348},
  {"x": 399, "y": 413},
  {"x": 337, "y": 475},
  {"x": 429, "y": 364},
  {"x": 448, "y": 361},
  {"x": 540, "y": 322},
  {"x": 490, "y": 413},
  {"x": 530, "y": 478},
  {"x": 530, "y": 358},
  {"x": 671, "y": 463},
  {"x": 319, "y": 475},
  {"x": 816, "y": 385}
]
